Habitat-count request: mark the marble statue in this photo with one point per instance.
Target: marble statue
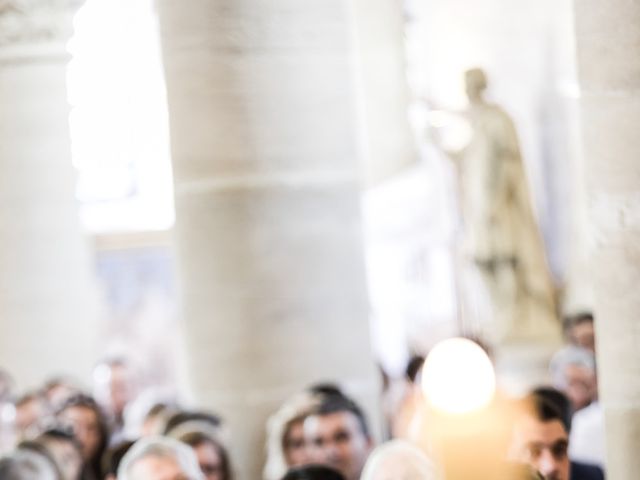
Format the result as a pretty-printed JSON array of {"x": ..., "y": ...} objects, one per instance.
[{"x": 500, "y": 235}]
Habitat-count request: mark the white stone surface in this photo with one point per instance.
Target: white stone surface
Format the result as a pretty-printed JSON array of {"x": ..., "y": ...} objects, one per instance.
[
  {"x": 48, "y": 304},
  {"x": 389, "y": 143},
  {"x": 263, "y": 134},
  {"x": 608, "y": 48}
]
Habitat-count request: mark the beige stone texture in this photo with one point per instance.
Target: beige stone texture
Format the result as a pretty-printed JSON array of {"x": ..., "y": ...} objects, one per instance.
[
  {"x": 48, "y": 301},
  {"x": 264, "y": 146},
  {"x": 388, "y": 139},
  {"x": 249, "y": 74},
  {"x": 623, "y": 433},
  {"x": 263, "y": 142},
  {"x": 617, "y": 341},
  {"x": 607, "y": 34},
  {"x": 610, "y": 131},
  {"x": 269, "y": 266},
  {"x": 608, "y": 45}
]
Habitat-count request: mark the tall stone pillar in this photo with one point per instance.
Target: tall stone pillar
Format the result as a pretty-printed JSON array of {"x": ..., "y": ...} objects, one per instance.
[
  {"x": 261, "y": 105},
  {"x": 388, "y": 139},
  {"x": 47, "y": 304},
  {"x": 608, "y": 47}
]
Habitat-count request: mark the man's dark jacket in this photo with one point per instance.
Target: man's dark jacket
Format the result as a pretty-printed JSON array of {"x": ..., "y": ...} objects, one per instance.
[{"x": 583, "y": 471}]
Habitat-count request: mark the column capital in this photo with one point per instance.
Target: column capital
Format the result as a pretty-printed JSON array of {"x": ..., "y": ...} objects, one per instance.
[{"x": 35, "y": 27}]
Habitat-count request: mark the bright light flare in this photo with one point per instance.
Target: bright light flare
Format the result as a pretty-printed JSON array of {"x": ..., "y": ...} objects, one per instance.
[{"x": 458, "y": 377}]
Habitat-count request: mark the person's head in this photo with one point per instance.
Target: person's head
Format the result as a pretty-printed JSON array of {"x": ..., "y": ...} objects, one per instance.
[
  {"x": 580, "y": 385},
  {"x": 57, "y": 390},
  {"x": 286, "y": 445},
  {"x": 83, "y": 416},
  {"x": 541, "y": 439},
  {"x": 294, "y": 445},
  {"x": 398, "y": 460},
  {"x": 156, "y": 418},
  {"x": 112, "y": 458},
  {"x": 44, "y": 453},
  {"x": 475, "y": 81},
  {"x": 27, "y": 464},
  {"x": 580, "y": 331},
  {"x": 201, "y": 430},
  {"x": 413, "y": 368},
  {"x": 574, "y": 372},
  {"x": 7, "y": 386},
  {"x": 31, "y": 408},
  {"x": 159, "y": 458},
  {"x": 212, "y": 456},
  {"x": 313, "y": 472},
  {"x": 338, "y": 436},
  {"x": 558, "y": 399},
  {"x": 65, "y": 451},
  {"x": 114, "y": 386}
]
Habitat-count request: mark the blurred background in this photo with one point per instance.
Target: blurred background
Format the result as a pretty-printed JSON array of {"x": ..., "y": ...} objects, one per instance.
[{"x": 241, "y": 199}]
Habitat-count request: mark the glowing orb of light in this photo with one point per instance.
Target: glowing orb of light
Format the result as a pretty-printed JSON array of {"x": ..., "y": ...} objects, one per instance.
[{"x": 458, "y": 377}]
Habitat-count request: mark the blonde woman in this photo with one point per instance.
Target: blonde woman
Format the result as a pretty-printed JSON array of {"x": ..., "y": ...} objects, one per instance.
[
  {"x": 286, "y": 445},
  {"x": 399, "y": 460}
]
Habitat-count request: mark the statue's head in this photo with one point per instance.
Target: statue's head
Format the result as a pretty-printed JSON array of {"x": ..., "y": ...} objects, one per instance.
[{"x": 475, "y": 81}]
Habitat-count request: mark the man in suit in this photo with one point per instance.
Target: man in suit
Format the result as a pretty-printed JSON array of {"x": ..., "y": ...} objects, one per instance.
[
  {"x": 338, "y": 435},
  {"x": 541, "y": 439}
]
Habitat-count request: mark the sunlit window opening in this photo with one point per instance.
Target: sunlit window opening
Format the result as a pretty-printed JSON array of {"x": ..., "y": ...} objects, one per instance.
[{"x": 119, "y": 120}]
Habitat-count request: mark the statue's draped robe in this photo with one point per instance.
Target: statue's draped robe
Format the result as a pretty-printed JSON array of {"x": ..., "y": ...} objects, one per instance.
[{"x": 500, "y": 233}]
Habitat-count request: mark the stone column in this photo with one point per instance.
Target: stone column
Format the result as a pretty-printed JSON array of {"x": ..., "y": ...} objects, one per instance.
[
  {"x": 47, "y": 303},
  {"x": 261, "y": 103},
  {"x": 388, "y": 139},
  {"x": 608, "y": 47}
]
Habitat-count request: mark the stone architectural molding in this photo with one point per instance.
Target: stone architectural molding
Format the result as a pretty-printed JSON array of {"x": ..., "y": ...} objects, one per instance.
[{"x": 24, "y": 22}]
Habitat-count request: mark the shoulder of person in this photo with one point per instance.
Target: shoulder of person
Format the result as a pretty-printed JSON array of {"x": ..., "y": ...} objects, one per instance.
[{"x": 584, "y": 471}]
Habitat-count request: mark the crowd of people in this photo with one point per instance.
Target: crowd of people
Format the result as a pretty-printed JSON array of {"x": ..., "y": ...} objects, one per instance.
[{"x": 62, "y": 433}]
